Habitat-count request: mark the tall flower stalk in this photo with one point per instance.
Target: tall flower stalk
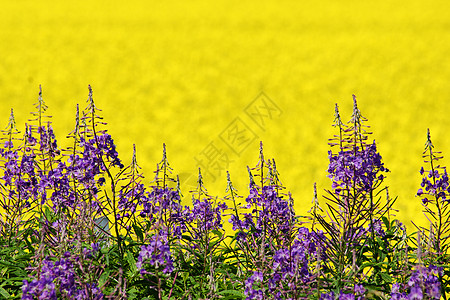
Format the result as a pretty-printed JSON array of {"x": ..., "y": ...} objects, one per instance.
[
  {"x": 435, "y": 195},
  {"x": 354, "y": 204}
]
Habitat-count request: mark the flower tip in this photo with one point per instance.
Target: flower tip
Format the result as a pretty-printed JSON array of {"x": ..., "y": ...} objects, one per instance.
[{"x": 354, "y": 99}]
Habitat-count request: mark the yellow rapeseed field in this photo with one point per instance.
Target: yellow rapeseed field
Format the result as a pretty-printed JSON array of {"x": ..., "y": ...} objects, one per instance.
[{"x": 212, "y": 79}]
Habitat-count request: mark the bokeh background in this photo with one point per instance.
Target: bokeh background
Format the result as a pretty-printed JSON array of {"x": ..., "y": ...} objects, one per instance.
[{"x": 200, "y": 77}]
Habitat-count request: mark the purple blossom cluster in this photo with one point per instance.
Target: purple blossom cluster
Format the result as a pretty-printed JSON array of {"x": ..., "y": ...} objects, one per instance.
[
  {"x": 54, "y": 181},
  {"x": 423, "y": 284},
  {"x": 434, "y": 186},
  {"x": 19, "y": 174},
  {"x": 270, "y": 212},
  {"x": 358, "y": 294},
  {"x": 206, "y": 215},
  {"x": 90, "y": 163},
  {"x": 128, "y": 200},
  {"x": 157, "y": 254},
  {"x": 158, "y": 201},
  {"x": 356, "y": 167},
  {"x": 162, "y": 206},
  {"x": 290, "y": 265},
  {"x": 377, "y": 228},
  {"x": 87, "y": 168},
  {"x": 253, "y": 289},
  {"x": 435, "y": 180},
  {"x": 58, "y": 280},
  {"x": 47, "y": 141}
]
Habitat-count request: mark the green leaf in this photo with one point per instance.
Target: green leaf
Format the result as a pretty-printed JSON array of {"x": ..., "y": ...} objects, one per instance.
[
  {"x": 386, "y": 277},
  {"x": 218, "y": 233},
  {"x": 185, "y": 276},
  {"x": 132, "y": 293},
  {"x": 131, "y": 262},
  {"x": 103, "y": 278},
  {"x": 231, "y": 292},
  {"x": 48, "y": 214},
  {"x": 138, "y": 232},
  {"x": 187, "y": 238},
  {"x": 371, "y": 264},
  {"x": 4, "y": 293}
]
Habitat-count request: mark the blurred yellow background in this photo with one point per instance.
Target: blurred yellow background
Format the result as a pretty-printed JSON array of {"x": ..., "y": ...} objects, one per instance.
[{"x": 212, "y": 79}]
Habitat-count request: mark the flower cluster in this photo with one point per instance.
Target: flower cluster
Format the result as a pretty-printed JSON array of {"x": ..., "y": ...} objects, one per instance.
[
  {"x": 356, "y": 168},
  {"x": 19, "y": 174},
  {"x": 253, "y": 290},
  {"x": 434, "y": 193},
  {"x": 423, "y": 282},
  {"x": 269, "y": 212},
  {"x": 158, "y": 201},
  {"x": 128, "y": 199},
  {"x": 86, "y": 166},
  {"x": 436, "y": 185},
  {"x": 358, "y": 294},
  {"x": 162, "y": 206},
  {"x": 293, "y": 261},
  {"x": 47, "y": 141},
  {"x": 157, "y": 254},
  {"x": 377, "y": 228},
  {"x": 206, "y": 215},
  {"x": 58, "y": 280},
  {"x": 33, "y": 184},
  {"x": 290, "y": 265}
]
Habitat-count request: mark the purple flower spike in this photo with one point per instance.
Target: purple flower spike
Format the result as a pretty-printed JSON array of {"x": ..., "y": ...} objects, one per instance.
[
  {"x": 156, "y": 254},
  {"x": 356, "y": 168},
  {"x": 58, "y": 278}
]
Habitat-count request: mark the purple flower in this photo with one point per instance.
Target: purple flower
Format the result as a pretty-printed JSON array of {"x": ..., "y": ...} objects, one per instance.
[
  {"x": 47, "y": 141},
  {"x": 58, "y": 278},
  {"x": 435, "y": 184},
  {"x": 415, "y": 293},
  {"x": 422, "y": 171},
  {"x": 428, "y": 279},
  {"x": 8, "y": 145},
  {"x": 252, "y": 291},
  {"x": 270, "y": 211},
  {"x": 206, "y": 215},
  {"x": 356, "y": 168},
  {"x": 359, "y": 290},
  {"x": 157, "y": 254},
  {"x": 423, "y": 281},
  {"x": 328, "y": 296},
  {"x": 293, "y": 261},
  {"x": 377, "y": 228},
  {"x": 344, "y": 296},
  {"x": 164, "y": 202}
]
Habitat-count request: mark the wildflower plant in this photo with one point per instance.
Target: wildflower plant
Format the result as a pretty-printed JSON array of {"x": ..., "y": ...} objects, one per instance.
[
  {"x": 434, "y": 193},
  {"x": 356, "y": 217},
  {"x": 78, "y": 223}
]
